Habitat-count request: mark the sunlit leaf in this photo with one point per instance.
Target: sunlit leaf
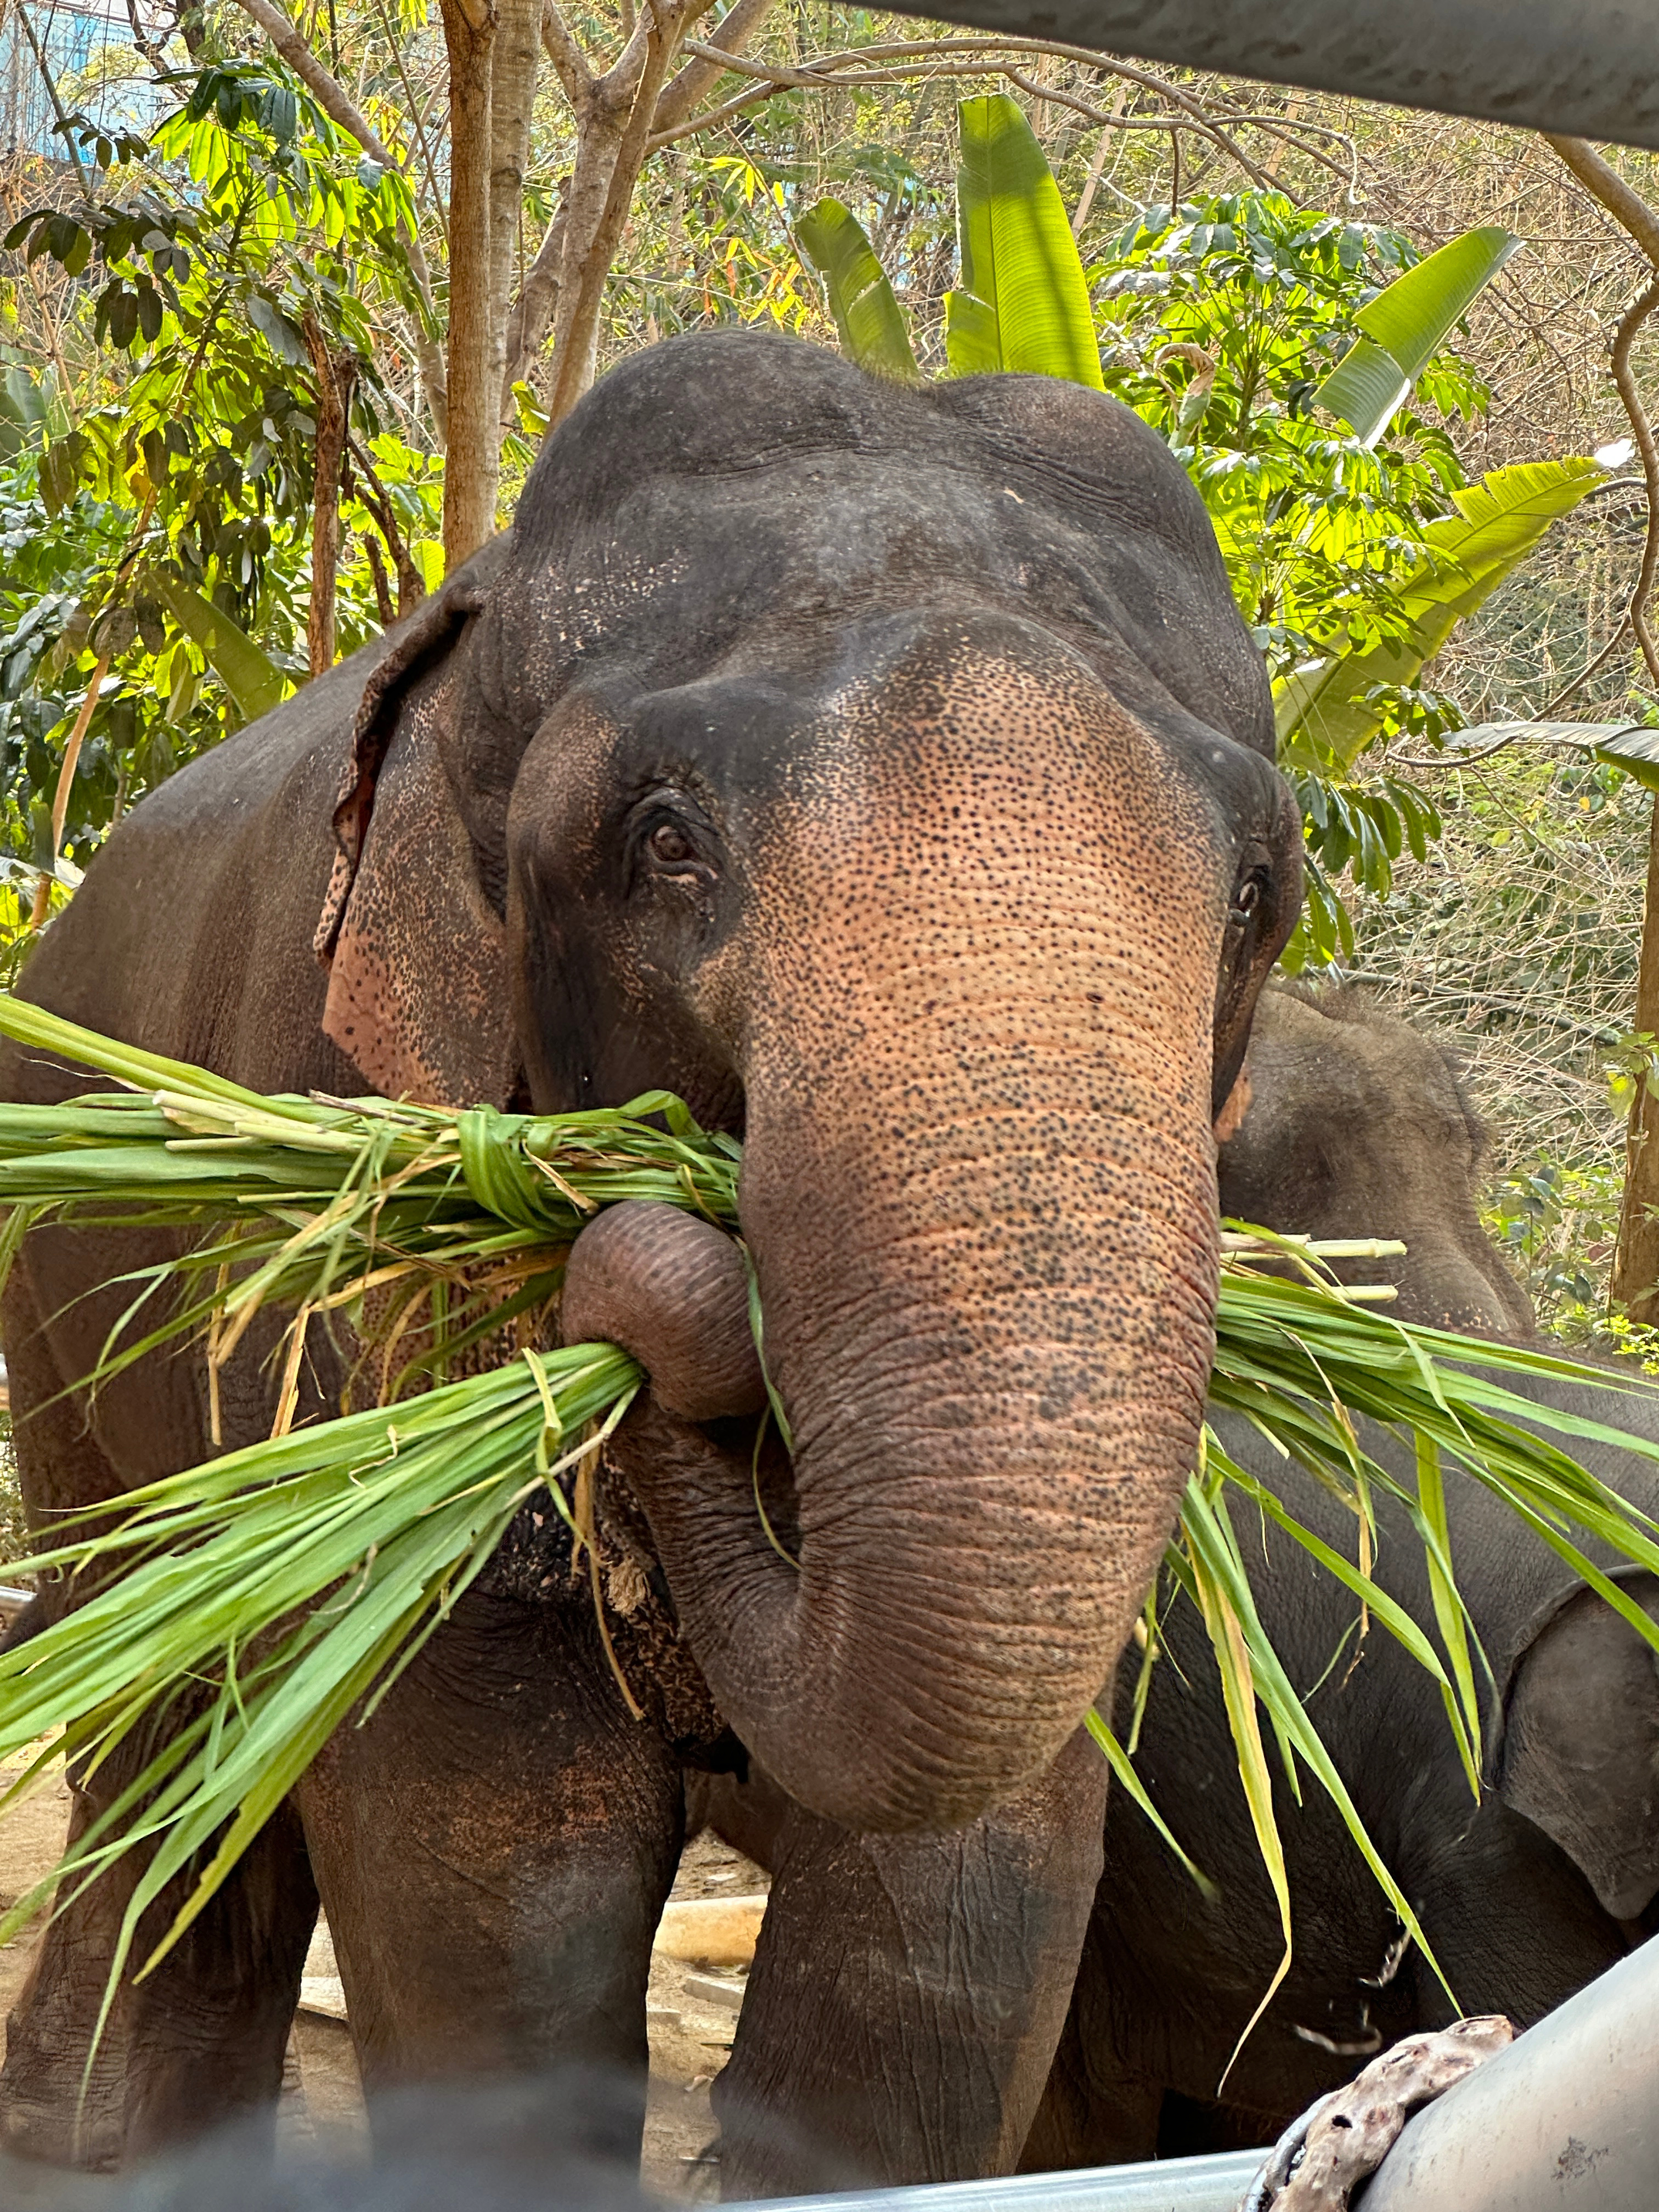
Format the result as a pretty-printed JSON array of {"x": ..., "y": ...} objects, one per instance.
[{"x": 1023, "y": 303}]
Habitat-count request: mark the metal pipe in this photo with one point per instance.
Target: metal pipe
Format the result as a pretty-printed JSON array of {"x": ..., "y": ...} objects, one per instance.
[
  {"x": 1175, "y": 2184},
  {"x": 1566, "y": 2120},
  {"x": 1586, "y": 67}
]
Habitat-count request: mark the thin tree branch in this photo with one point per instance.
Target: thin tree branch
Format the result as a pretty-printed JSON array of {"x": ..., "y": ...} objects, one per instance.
[
  {"x": 1603, "y": 182},
  {"x": 852, "y": 66},
  {"x": 1636, "y": 612},
  {"x": 58, "y": 109},
  {"x": 569, "y": 62},
  {"x": 1639, "y": 222},
  {"x": 411, "y": 586},
  {"x": 701, "y": 74},
  {"x": 415, "y": 116}
]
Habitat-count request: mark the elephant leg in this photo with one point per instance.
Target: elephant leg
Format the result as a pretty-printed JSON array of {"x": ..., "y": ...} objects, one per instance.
[
  {"x": 1095, "y": 2111},
  {"x": 907, "y": 1992},
  {"x": 198, "y": 2042},
  {"x": 494, "y": 1847}
]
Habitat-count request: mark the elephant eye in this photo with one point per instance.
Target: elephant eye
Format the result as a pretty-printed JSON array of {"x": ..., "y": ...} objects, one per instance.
[
  {"x": 671, "y": 839},
  {"x": 1247, "y": 899}
]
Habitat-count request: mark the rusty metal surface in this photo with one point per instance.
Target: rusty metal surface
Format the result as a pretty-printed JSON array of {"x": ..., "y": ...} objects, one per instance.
[
  {"x": 1590, "y": 67},
  {"x": 1566, "y": 2120}
]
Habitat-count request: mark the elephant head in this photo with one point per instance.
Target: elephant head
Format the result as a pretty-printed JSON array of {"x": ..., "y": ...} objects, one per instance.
[
  {"x": 1358, "y": 1126},
  {"x": 886, "y": 771}
]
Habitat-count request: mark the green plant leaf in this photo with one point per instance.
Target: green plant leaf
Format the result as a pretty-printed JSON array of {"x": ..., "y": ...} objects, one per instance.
[
  {"x": 1632, "y": 746},
  {"x": 1324, "y": 709},
  {"x": 251, "y": 677},
  {"x": 866, "y": 314},
  {"x": 1404, "y": 327},
  {"x": 1024, "y": 301}
]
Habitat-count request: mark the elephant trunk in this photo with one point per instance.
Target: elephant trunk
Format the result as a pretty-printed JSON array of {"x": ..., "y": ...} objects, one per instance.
[
  {"x": 991, "y": 1333},
  {"x": 995, "y": 1411}
]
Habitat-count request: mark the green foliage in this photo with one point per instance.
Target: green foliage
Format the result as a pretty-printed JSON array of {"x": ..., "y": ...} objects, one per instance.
[
  {"x": 396, "y": 1511},
  {"x": 1331, "y": 707},
  {"x": 1219, "y": 321},
  {"x": 1023, "y": 304},
  {"x": 168, "y": 524},
  {"x": 867, "y": 317}
]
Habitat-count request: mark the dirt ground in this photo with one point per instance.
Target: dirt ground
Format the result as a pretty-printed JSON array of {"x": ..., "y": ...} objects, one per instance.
[{"x": 692, "y": 2014}]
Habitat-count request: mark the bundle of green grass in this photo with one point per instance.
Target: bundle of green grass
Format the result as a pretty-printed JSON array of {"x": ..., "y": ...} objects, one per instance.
[{"x": 267, "y": 1596}]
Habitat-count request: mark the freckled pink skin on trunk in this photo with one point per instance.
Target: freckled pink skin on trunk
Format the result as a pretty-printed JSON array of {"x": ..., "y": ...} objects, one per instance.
[{"x": 975, "y": 1003}]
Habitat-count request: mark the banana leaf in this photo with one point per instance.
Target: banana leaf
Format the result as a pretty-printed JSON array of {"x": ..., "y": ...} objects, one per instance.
[
  {"x": 1404, "y": 326},
  {"x": 1023, "y": 304},
  {"x": 251, "y": 677},
  {"x": 867, "y": 317},
  {"x": 1326, "y": 708},
  {"x": 1632, "y": 746}
]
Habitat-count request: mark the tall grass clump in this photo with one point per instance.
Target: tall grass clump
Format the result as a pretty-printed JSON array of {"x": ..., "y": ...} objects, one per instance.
[{"x": 239, "y": 1612}]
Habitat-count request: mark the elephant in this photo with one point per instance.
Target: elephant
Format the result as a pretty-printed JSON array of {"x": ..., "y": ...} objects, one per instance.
[
  {"x": 1357, "y": 1124},
  {"x": 1363, "y": 1128},
  {"x": 886, "y": 771}
]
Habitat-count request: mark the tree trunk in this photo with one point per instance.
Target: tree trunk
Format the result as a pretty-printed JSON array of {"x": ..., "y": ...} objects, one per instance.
[
  {"x": 473, "y": 456},
  {"x": 1635, "y": 1284},
  {"x": 512, "y": 95},
  {"x": 1636, "y": 1267},
  {"x": 336, "y": 378}
]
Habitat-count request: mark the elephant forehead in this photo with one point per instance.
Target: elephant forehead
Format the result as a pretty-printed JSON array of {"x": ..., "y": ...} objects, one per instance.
[
  {"x": 661, "y": 532},
  {"x": 996, "y": 852}
]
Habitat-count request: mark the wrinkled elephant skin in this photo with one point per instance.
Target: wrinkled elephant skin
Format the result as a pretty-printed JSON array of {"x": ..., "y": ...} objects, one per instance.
[{"x": 887, "y": 771}]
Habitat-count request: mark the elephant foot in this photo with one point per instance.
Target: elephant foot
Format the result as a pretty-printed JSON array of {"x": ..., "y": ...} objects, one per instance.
[{"x": 1321, "y": 2158}]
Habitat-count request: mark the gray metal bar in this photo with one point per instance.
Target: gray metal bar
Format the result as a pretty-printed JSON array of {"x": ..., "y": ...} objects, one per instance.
[
  {"x": 12, "y": 1601},
  {"x": 1566, "y": 2120},
  {"x": 1589, "y": 67},
  {"x": 1175, "y": 2184}
]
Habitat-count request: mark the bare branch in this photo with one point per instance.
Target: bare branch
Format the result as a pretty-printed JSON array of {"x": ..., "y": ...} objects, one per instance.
[
  {"x": 700, "y": 76},
  {"x": 415, "y": 116},
  {"x": 1636, "y": 613},
  {"x": 569, "y": 62},
  {"x": 1635, "y": 217},
  {"x": 1603, "y": 182},
  {"x": 58, "y": 108},
  {"x": 948, "y": 58}
]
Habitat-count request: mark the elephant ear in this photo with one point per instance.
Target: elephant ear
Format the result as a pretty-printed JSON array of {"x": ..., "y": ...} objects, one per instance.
[
  {"x": 1581, "y": 1745},
  {"x": 418, "y": 979}
]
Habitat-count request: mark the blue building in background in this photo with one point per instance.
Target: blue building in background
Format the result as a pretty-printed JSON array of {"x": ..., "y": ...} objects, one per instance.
[{"x": 89, "y": 51}]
